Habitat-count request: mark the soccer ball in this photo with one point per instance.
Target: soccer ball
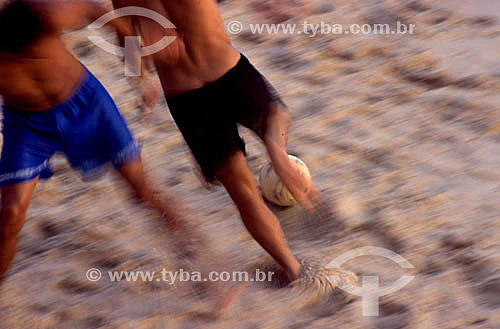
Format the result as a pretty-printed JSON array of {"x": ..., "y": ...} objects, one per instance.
[{"x": 273, "y": 189}]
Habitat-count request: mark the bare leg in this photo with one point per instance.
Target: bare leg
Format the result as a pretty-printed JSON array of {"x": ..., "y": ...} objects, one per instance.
[
  {"x": 15, "y": 202},
  {"x": 275, "y": 139},
  {"x": 237, "y": 178},
  {"x": 187, "y": 238},
  {"x": 133, "y": 172},
  {"x": 168, "y": 208}
]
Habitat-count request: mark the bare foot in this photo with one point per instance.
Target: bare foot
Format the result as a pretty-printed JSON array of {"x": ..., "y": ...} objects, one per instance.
[{"x": 313, "y": 199}]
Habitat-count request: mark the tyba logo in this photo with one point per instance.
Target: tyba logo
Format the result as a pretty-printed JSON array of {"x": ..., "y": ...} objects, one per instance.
[
  {"x": 132, "y": 50},
  {"x": 370, "y": 291}
]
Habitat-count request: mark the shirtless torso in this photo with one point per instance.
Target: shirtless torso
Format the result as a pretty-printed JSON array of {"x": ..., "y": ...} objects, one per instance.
[
  {"x": 202, "y": 51},
  {"x": 37, "y": 70},
  {"x": 40, "y": 77}
]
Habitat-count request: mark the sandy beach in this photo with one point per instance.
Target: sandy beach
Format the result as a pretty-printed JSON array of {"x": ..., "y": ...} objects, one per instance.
[{"x": 401, "y": 134}]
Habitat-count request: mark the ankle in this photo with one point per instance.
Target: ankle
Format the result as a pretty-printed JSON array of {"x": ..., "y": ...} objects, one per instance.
[{"x": 294, "y": 273}]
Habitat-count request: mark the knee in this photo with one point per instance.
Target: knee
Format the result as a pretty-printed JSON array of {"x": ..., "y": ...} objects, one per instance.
[
  {"x": 145, "y": 195},
  {"x": 12, "y": 219},
  {"x": 276, "y": 129},
  {"x": 141, "y": 197},
  {"x": 285, "y": 118},
  {"x": 248, "y": 185},
  {"x": 245, "y": 190},
  {"x": 239, "y": 186},
  {"x": 279, "y": 119}
]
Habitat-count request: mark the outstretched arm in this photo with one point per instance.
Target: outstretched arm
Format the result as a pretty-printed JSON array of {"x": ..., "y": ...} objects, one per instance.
[{"x": 146, "y": 83}]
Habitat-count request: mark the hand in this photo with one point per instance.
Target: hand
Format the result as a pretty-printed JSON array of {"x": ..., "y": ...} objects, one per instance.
[{"x": 150, "y": 90}]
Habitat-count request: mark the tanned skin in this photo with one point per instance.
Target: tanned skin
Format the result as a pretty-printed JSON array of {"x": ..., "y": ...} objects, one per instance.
[
  {"x": 44, "y": 74},
  {"x": 202, "y": 53}
]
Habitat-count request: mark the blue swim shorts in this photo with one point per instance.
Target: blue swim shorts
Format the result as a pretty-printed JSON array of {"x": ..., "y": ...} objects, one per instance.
[{"x": 87, "y": 128}]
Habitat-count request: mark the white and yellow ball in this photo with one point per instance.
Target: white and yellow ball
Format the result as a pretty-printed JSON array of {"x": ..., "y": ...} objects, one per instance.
[{"x": 273, "y": 189}]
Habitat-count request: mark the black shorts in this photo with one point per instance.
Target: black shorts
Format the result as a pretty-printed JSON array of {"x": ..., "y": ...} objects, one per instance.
[{"x": 208, "y": 117}]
